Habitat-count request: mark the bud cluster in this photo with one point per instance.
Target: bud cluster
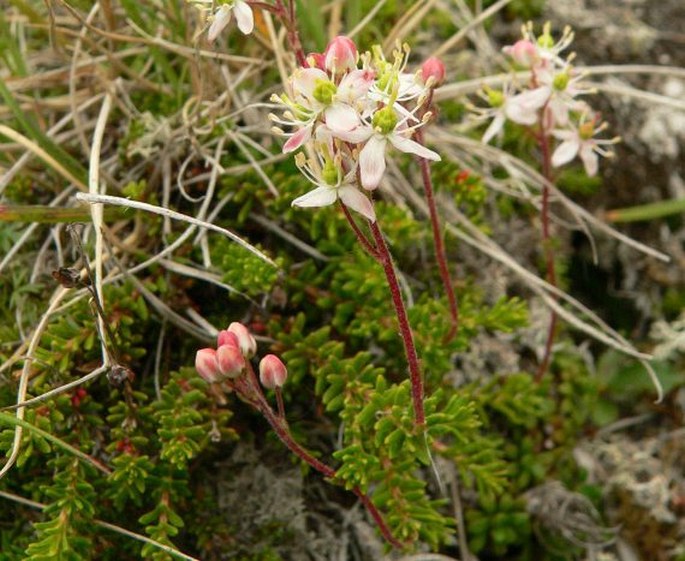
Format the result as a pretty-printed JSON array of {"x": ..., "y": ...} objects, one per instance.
[
  {"x": 349, "y": 108},
  {"x": 549, "y": 100},
  {"x": 229, "y": 361}
]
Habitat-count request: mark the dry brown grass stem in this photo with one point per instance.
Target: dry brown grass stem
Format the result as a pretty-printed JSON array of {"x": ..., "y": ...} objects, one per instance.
[
  {"x": 58, "y": 296},
  {"x": 407, "y": 23},
  {"x": 469, "y": 27}
]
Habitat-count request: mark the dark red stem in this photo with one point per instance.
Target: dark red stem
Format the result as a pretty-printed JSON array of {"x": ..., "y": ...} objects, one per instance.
[
  {"x": 373, "y": 511},
  {"x": 385, "y": 259},
  {"x": 543, "y": 140},
  {"x": 438, "y": 241}
]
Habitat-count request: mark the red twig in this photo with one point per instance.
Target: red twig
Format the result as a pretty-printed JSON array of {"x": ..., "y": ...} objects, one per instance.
[
  {"x": 438, "y": 241},
  {"x": 546, "y": 239},
  {"x": 385, "y": 259},
  {"x": 249, "y": 389}
]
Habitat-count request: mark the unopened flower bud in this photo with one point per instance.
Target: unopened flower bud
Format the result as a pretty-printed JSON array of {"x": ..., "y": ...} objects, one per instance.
[
  {"x": 433, "y": 68},
  {"x": 231, "y": 361},
  {"x": 225, "y": 337},
  {"x": 246, "y": 341},
  {"x": 523, "y": 52},
  {"x": 340, "y": 55},
  {"x": 207, "y": 365},
  {"x": 316, "y": 60},
  {"x": 272, "y": 372}
]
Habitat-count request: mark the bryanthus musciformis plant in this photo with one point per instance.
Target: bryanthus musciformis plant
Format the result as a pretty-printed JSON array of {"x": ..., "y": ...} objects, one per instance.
[
  {"x": 563, "y": 125},
  {"x": 348, "y": 110},
  {"x": 228, "y": 370}
]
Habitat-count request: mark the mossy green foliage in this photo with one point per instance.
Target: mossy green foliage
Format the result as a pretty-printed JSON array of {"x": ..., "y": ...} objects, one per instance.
[{"x": 159, "y": 442}]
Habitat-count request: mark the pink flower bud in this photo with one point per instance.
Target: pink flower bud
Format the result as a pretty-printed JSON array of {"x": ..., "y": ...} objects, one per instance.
[
  {"x": 246, "y": 341},
  {"x": 316, "y": 60},
  {"x": 433, "y": 68},
  {"x": 272, "y": 372},
  {"x": 523, "y": 52},
  {"x": 227, "y": 338},
  {"x": 207, "y": 365},
  {"x": 231, "y": 361},
  {"x": 340, "y": 55}
]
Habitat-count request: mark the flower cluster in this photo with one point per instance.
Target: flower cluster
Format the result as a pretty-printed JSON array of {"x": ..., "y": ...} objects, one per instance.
[
  {"x": 549, "y": 100},
  {"x": 219, "y": 12},
  {"x": 228, "y": 363},
  {"x": 350, "y": 108}
]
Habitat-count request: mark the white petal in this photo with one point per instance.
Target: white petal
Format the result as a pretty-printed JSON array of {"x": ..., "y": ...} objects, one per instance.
[
  {"x": 244, "y": 16},
  {"x": 534, "y": 99},
  {"x": 355, "y": 136},
  {"x": 590, "y": 159},
  {"x": 219, "y": 22},
  {"x": 297, "y": 139},
  {"x": 494, "y": 128},
  {"x": 354, "y": 85},
  {"x": 321, "y": 196},
  {"x": 356, "y": 200},
  {"x": 565, "y": 152},
  {"x": 372, "y": 161},
  {"x": 304, "y": 81},
  {"x": 411, "y": 147},
  {"x": 341, "y": 117}
]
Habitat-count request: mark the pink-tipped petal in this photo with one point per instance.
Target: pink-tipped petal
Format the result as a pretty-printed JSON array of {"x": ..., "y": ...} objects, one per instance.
[
  {"x": 207, "y": 365},
  {"x": 231, "y": 361},
  {"x": 225, "y": 337},
  {"x": 409, "y": 146},
  {"x": 372, "y": 162},
  {"x": 297, "y": 139},
  {"x": 565, "y": 152},
  {"x": 244, "y": 16},
  {"x": 356, "y": 200},
  {"x": 321, "y": 196},
  {"x": 248, "y": 345}
]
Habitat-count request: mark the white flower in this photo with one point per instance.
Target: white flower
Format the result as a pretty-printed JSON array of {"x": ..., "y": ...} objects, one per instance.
[
  {"x": 580, "y": 142},
  {"x": 547, "y": 49},
  {"x": 521, "y": 108},
  {"x": 222, "y": 16},
  {"x": 331, "y": 185},
  {"x": 561, "y": 89},
  {"x": 317, "y": 100},
  {"x": 385, "y": 127}
]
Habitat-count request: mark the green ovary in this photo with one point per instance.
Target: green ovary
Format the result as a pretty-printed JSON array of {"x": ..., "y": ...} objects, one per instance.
[
  {"x": 324, "y": 90},
  {"x": 385, "y": 120}
]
